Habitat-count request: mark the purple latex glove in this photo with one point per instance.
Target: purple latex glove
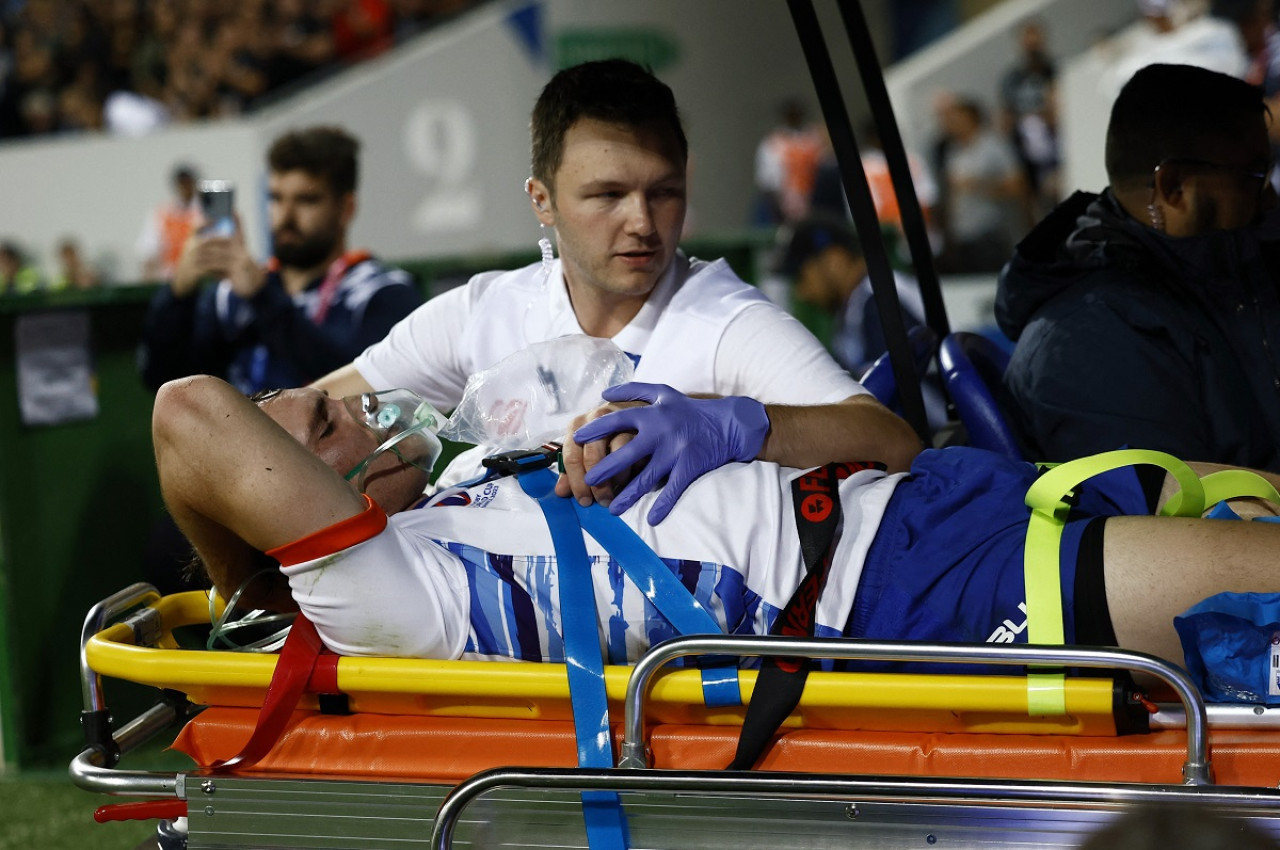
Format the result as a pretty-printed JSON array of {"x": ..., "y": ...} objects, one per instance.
[{"x": 682, "y": 437}]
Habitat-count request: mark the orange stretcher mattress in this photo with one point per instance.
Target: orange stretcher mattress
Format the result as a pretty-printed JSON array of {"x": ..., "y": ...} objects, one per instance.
[{"x": 448, "y": 750}]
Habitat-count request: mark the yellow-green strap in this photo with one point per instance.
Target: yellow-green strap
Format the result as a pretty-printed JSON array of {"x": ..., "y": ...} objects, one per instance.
[
  {"x": 1222, "y": 485},
  {"x": 1048, "y": 500}
]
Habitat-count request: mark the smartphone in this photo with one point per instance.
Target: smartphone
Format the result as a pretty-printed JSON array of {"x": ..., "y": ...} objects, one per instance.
[{"x": 217, "y": 202}]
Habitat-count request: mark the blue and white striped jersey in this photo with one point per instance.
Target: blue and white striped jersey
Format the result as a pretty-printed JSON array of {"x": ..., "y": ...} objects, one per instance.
[{"x": 474, "y": 574}]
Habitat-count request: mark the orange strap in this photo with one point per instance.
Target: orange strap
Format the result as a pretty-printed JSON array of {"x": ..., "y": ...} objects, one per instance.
[
  {"x": 302, "y": 649},
  {"x": 343, "y": 534},
  {"x": 304, "y": 664}
]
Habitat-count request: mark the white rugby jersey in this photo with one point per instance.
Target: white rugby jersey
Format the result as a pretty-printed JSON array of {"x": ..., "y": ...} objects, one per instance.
[{"x": 474, "y": 575}]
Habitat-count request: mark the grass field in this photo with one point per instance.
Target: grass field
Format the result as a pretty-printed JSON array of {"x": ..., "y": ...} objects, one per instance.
[
  {"x": 44, "y": 810},
  {"x": 41, "y": 809}
]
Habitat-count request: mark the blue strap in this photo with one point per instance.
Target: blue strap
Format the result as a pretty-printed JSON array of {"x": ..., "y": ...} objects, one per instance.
[
  {"x": 601, "y": 810},
  {"x": 720, "y": 686},
  {"x": 664, "y": 591},
  {"x": 647, "y": 571}
]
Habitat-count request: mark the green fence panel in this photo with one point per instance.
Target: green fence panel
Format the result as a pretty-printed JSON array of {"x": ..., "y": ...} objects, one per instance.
[{"x": 76, "y": 503}]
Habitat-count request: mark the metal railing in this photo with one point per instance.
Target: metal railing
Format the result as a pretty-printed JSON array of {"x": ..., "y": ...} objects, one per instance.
[{"x": 1195, "y": 771}]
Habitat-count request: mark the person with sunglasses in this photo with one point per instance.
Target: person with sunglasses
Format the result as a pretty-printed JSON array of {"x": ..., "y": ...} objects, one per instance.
[{"x": 1149, "y": 315}]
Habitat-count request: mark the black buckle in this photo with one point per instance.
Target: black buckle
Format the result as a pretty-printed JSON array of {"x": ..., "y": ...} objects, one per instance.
[{"x": 522, "y": 460}]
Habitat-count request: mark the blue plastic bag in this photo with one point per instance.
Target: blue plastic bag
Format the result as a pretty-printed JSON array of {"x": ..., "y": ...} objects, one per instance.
[{"x": 1231, "y": 642}]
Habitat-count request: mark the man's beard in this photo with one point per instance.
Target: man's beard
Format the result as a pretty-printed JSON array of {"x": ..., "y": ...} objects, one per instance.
[{"x": 308, "y": 252}]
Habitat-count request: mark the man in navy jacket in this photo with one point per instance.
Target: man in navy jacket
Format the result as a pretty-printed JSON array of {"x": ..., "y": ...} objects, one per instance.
[
  {"x": 312, "y": 308},
  {"x": 1148, "y": 315}
]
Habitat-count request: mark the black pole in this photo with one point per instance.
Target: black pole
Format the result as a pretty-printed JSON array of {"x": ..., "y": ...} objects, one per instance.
[
  {"x": 863, "y": 210},
  {"x": 895, "y": 154}
]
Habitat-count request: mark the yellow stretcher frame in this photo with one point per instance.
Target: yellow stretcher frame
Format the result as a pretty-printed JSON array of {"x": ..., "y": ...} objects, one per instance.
[{"x": 533, "y": 691}]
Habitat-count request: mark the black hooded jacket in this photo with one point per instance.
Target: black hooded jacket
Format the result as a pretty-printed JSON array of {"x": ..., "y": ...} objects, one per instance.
[{"x": 1128, "y": 337}]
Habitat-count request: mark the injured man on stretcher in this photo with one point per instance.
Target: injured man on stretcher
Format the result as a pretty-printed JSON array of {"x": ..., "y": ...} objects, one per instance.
[{"x": 292, "y": 490}]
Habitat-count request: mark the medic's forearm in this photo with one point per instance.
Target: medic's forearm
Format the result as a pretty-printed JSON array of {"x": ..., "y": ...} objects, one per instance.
[{"x": 858, "y": 428}]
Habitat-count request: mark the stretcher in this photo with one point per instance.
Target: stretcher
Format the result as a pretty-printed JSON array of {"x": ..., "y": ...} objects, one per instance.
[{"x": 436, "y": 754}]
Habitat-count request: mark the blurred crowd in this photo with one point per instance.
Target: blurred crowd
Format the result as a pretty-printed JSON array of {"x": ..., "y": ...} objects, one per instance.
[
  {"x": 131, "y": 66},
  {"x": 983, "y": 181},
  {"x": 992, "y": 167},
  {"x": 70, "y": 270},
  {"x": 987, "y": 172}
]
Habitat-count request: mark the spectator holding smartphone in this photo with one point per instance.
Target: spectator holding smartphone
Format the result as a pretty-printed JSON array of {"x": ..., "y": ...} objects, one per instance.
[{"x": 312, "y": 307}]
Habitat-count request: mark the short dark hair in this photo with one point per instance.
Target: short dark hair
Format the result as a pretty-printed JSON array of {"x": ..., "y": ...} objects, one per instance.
[
  {"x": 1170, "y": 111},
  {"x": 325, "y": 152},
  {"x": 810, "y": 237},
  {"x": 616, "y": 91}
]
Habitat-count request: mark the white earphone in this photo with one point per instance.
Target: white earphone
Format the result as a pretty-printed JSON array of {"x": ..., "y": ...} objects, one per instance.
[{"x": 528, "y": 189}]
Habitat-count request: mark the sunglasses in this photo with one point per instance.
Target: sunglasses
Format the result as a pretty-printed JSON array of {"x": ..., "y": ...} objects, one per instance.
[{"x": 1249, "y": 172}]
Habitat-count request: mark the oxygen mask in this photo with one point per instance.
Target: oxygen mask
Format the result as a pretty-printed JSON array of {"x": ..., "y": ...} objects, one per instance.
[{"x": 404, "y": 424}]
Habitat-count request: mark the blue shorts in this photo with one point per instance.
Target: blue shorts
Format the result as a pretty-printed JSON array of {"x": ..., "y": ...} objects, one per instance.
[{"x": 947, "y": 562}]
